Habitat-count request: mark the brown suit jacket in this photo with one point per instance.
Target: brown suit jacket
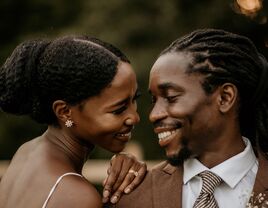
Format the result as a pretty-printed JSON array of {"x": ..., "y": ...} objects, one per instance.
[{"x": 162, "y": 188}]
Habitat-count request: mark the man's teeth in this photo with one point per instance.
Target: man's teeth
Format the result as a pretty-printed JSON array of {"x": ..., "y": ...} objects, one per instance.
[
  {"x": 125, "y": 135},
  {"x": 164, "y": 135}
]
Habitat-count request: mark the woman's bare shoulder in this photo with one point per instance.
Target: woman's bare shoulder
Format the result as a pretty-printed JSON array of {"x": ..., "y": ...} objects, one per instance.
[{"x": 75, "y": 191}]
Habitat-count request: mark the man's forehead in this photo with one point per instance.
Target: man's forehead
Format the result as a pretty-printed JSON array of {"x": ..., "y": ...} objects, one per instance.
[{"x": 173, "y": 60}]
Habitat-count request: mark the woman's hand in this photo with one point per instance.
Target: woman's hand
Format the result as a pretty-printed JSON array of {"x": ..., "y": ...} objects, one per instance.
[{"x": 124, "y": 174}]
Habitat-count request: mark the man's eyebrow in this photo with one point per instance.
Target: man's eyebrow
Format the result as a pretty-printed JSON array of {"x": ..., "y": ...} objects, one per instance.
[{"x": 167, "y": 85}]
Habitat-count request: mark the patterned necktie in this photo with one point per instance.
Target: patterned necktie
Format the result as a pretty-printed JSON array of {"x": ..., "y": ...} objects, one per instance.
[{"x": 206, "y": 198}]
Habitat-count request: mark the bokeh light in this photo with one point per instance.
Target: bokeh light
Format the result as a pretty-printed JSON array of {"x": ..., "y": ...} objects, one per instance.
[{"x": 249, "y": 7}]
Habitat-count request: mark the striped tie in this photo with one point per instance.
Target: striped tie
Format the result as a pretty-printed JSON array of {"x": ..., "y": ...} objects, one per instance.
[{"x": 206, "y": 198}]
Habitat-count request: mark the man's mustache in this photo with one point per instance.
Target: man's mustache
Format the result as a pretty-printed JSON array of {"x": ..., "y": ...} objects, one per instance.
[{"x": 167, "y": 124}]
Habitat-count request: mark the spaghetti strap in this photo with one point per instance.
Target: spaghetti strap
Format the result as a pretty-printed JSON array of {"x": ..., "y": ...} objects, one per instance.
[{"x": 55, "y": 185}]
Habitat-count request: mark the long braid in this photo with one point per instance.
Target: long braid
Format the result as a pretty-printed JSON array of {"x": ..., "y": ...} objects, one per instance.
[{"x": 226, "y": 57}]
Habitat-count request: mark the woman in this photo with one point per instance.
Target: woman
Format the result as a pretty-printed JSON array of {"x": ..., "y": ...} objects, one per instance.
[{"x": 85, "y": 90}]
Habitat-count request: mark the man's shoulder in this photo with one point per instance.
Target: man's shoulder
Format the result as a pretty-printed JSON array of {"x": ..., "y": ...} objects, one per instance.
[
  {"x": 143, "y": 195},
  {"x": 164, "y": 167},
  {"x": 159, "y": 166}
]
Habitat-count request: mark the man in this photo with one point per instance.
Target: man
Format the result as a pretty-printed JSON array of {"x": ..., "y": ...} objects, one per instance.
[{"x": 210, "y": 112}]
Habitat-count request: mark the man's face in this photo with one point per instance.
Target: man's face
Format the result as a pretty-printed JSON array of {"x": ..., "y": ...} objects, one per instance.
[{"x": 184, "y": 117}]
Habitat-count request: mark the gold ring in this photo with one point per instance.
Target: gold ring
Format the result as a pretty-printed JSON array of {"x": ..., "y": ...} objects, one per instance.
[{"x": 136, "y": 173}]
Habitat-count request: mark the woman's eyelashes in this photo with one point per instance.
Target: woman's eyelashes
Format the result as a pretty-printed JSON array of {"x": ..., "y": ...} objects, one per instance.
[
  {"x": 137, "y": 95},
  {"x": 119, "y": 110},
  {"x": 125, "y": 106}
]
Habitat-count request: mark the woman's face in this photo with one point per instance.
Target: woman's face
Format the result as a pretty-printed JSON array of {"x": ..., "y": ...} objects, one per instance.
[{"x": 107, "y": 119}]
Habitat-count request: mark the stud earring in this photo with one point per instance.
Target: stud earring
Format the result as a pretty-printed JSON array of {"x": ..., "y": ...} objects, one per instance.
[{"x": 69, "y": 123}]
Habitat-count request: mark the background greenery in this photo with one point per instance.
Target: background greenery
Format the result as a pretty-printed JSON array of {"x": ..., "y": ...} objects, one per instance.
[{"x": 141, "y": 28}]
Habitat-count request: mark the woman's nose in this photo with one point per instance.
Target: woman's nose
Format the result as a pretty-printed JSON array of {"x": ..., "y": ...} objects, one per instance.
[{"x": 133, "y": 117}]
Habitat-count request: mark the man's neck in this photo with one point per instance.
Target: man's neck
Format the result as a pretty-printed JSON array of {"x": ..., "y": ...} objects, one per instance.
[{"x": 224, "y": 151}]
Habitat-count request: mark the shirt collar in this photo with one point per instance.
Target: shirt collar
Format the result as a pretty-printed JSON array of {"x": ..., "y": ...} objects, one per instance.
[{"x": 231, "y": 171}]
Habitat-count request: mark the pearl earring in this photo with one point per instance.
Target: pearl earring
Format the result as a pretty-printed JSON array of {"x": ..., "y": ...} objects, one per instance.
[{"x": 69, "y": 123}]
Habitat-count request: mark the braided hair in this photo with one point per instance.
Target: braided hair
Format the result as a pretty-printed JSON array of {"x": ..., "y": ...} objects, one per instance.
[
  {"x": 71, "y": 68},
  {"x": 223, "y": 57}
]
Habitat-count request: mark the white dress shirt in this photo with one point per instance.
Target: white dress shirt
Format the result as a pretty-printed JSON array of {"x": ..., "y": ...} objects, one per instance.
[{"x": 238, "y": 174}]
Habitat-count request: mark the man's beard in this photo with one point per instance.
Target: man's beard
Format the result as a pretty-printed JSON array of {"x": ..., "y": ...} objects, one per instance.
[{"x": 183, "y": 154}]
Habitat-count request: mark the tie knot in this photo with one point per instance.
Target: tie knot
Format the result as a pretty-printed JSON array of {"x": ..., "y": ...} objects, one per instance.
[{"x": 210, "y": 181}]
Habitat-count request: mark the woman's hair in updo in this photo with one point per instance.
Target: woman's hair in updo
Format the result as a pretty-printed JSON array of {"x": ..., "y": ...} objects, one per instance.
[{"x": 72, "y": 68}]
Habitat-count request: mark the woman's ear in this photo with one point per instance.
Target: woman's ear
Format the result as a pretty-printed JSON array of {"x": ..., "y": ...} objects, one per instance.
[
  {"x": 62, "y": 110},
  {"x": 227, "y": 98}
]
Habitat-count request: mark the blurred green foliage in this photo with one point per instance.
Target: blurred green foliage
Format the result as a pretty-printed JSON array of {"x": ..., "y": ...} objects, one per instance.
[{"x": 141, "y": 28}]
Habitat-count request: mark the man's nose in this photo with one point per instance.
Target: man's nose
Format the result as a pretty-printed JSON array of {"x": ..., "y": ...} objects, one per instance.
[{"x": 158, "y": 112}]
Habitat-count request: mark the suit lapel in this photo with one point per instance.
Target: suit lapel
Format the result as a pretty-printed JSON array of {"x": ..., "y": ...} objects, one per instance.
[{"x": 167, "y": 187}]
